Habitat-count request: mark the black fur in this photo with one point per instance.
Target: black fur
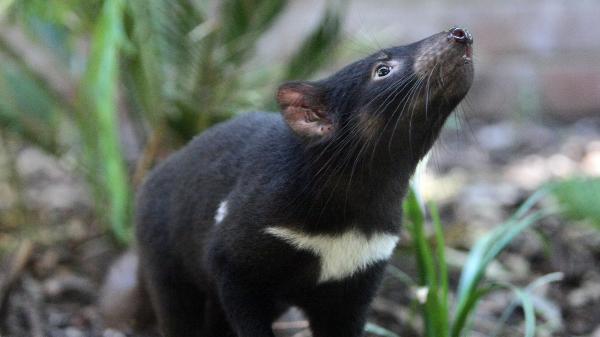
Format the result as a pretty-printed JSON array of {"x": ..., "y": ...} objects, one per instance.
[{"x": 232, "y": 278}]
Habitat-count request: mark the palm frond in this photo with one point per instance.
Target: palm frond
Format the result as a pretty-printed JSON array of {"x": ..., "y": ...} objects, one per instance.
[
  {"x": 318, "y": 47},
  {"x": 27, "y": 108}
]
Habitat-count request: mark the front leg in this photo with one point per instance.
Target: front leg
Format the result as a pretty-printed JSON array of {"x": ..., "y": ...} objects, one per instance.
[
  {"x": 340, "y": 320},
  {"x": 216, "y": 323},
  {"x": 242, "y": 291},
  {"x": 249, "y": 309},
  {"x": 339, "y": 309}
]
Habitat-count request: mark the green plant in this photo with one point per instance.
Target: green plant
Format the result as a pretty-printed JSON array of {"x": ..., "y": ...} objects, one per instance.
[
  {"x": 579, "y": 198},
  {"x": 433, "y": 271},
  {"x": 166, "y": 69}
]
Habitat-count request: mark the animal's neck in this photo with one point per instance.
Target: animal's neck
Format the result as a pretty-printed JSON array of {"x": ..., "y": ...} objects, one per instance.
[{"x": 336, "y": 187}]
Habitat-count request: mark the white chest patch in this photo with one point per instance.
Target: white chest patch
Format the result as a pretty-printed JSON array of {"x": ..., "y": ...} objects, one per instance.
[
  {"x": 221, "y": 212},
  {"x": 343, "y": 254}
]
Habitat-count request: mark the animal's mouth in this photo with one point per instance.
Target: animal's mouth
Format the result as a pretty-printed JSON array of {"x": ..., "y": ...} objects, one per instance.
[
  {"x": 462, "y": 36},
  {"x": 468, "y": 56}
]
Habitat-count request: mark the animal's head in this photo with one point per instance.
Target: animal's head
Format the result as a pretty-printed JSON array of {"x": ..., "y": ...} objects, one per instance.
[{"x": 400, "y": 95}]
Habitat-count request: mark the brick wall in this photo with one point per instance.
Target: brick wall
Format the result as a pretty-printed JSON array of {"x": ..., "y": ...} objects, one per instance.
[{"x": 532, "y": 56}]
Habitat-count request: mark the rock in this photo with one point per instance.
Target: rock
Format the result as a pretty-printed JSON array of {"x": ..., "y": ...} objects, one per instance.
[
  {"x": 495, "y": 137},
  {"x": 73, "y": 332},
  {"x": 481, "y": 204},
  {"x": 46, "y": 263},
  {"x": 66, "y": 285},
  {"x": 517, "y": 265},
  {"x": 48, "y": 185},
  {"x": 529, "y": 172},
  {"x": 590, "y": 164},
  {"x": 112, "y": 333},
  {"x": 588, "y": 292}
]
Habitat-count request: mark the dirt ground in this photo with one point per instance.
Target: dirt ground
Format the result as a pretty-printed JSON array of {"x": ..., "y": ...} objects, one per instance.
[{"x": 52, "y": 268}]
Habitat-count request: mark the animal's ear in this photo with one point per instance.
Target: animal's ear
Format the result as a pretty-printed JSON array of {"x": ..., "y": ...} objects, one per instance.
[{"x": 304, "y": 108}]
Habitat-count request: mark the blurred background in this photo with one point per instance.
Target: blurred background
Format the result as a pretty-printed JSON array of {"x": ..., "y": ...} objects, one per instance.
[{"x": 94, "y": 93}]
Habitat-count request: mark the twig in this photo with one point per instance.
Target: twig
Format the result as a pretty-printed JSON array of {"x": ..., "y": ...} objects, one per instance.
[
  {"x": 148, "y": 156},
  {"x": 32, "y": 311},
  {"x": 14, "y": 180},
  {"x": 14, "y": 268},
  {"x": 290, "y": 325}
]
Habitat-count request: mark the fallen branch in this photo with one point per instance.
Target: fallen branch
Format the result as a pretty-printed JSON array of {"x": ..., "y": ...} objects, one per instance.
[
  {"x": 32, "y": 308},
  {"x": 12, "y": 270}
]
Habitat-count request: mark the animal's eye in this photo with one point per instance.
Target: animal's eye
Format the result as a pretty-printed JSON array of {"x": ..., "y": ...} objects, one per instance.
[{"x": 383, "y": 70}]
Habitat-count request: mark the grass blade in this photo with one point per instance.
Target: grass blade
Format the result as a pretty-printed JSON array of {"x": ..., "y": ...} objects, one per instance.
[
  {"x": 529, "y": 311},
  {"x": 400, "y": 275},
  {"x": 485, "y": 251},
  {"x": 442, "y": 267},
  {"x": 470, "y": 303},
  {"x": 427, "y": 270},
  {"x": 379, "y": 331},
  {"x": 549, "y": 278}
]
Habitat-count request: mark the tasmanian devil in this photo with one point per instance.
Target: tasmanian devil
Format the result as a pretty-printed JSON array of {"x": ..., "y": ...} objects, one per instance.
[{"x": 302, "y": 208}]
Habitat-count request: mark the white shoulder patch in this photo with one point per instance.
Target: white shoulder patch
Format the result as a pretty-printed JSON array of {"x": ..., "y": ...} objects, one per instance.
[
  {"x": 221, "y": 212},
  {"x": 343, "y": 254}
]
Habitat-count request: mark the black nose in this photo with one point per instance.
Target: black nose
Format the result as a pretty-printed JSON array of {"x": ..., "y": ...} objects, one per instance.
[{"x": 460, "y": 35}]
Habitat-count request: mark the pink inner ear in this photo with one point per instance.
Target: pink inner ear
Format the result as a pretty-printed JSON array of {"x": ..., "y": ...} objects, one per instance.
[
  {"x": 305, "y": 122},
  {"x": 302, "y": 111},
  {"x": 290, "y": 97}
]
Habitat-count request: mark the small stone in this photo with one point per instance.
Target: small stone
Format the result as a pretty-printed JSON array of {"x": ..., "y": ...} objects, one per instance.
[
  {"x": 590, "y": 164},
  {"x": 517, "y": 265},
  {"x": 46, "y": 263},
  {"x": 496, "y": 137},
  {"x": 529, "y": 172},
  {"x": 73, "y": 332},
  {"x": 588, "y": 292},
  {"x": 112, "y": 333},
  {"x": 66, "y": 285},
  {"x": 421, "y": 294}
]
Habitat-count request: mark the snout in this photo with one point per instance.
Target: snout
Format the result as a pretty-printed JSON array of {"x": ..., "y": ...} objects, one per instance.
[
  {"x": 463, "y": 38},
  {"x": 460, "y": 35},
  {"x": 452, "y": 48},
  {"x": 447, "y": 55}
]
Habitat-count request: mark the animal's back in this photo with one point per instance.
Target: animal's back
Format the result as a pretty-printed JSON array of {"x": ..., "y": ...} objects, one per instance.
[{"x": 178, "y": 200}]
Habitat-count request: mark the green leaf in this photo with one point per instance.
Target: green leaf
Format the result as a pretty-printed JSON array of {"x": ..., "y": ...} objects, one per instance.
[
  {"x": 163, "y": 65},
  {"x": 579, "y": 198},
  {"x": 243, "y": 21},
  {"x": 379, "y": 331},
  {"x": 529, "y": 311},
  {"x": 485, "y": 251},
  {"x": 471, "y": 300},
  {"x": 442, "y": 267},
  {"x": 427, "y": 270},
  {"x": 318, "y": 47},
  {"x": 530, "y": 324},
  {"x": 27, "y": 107},
  {"x": 4, "y": 6},
  {"x": 99, "y": 120}
]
